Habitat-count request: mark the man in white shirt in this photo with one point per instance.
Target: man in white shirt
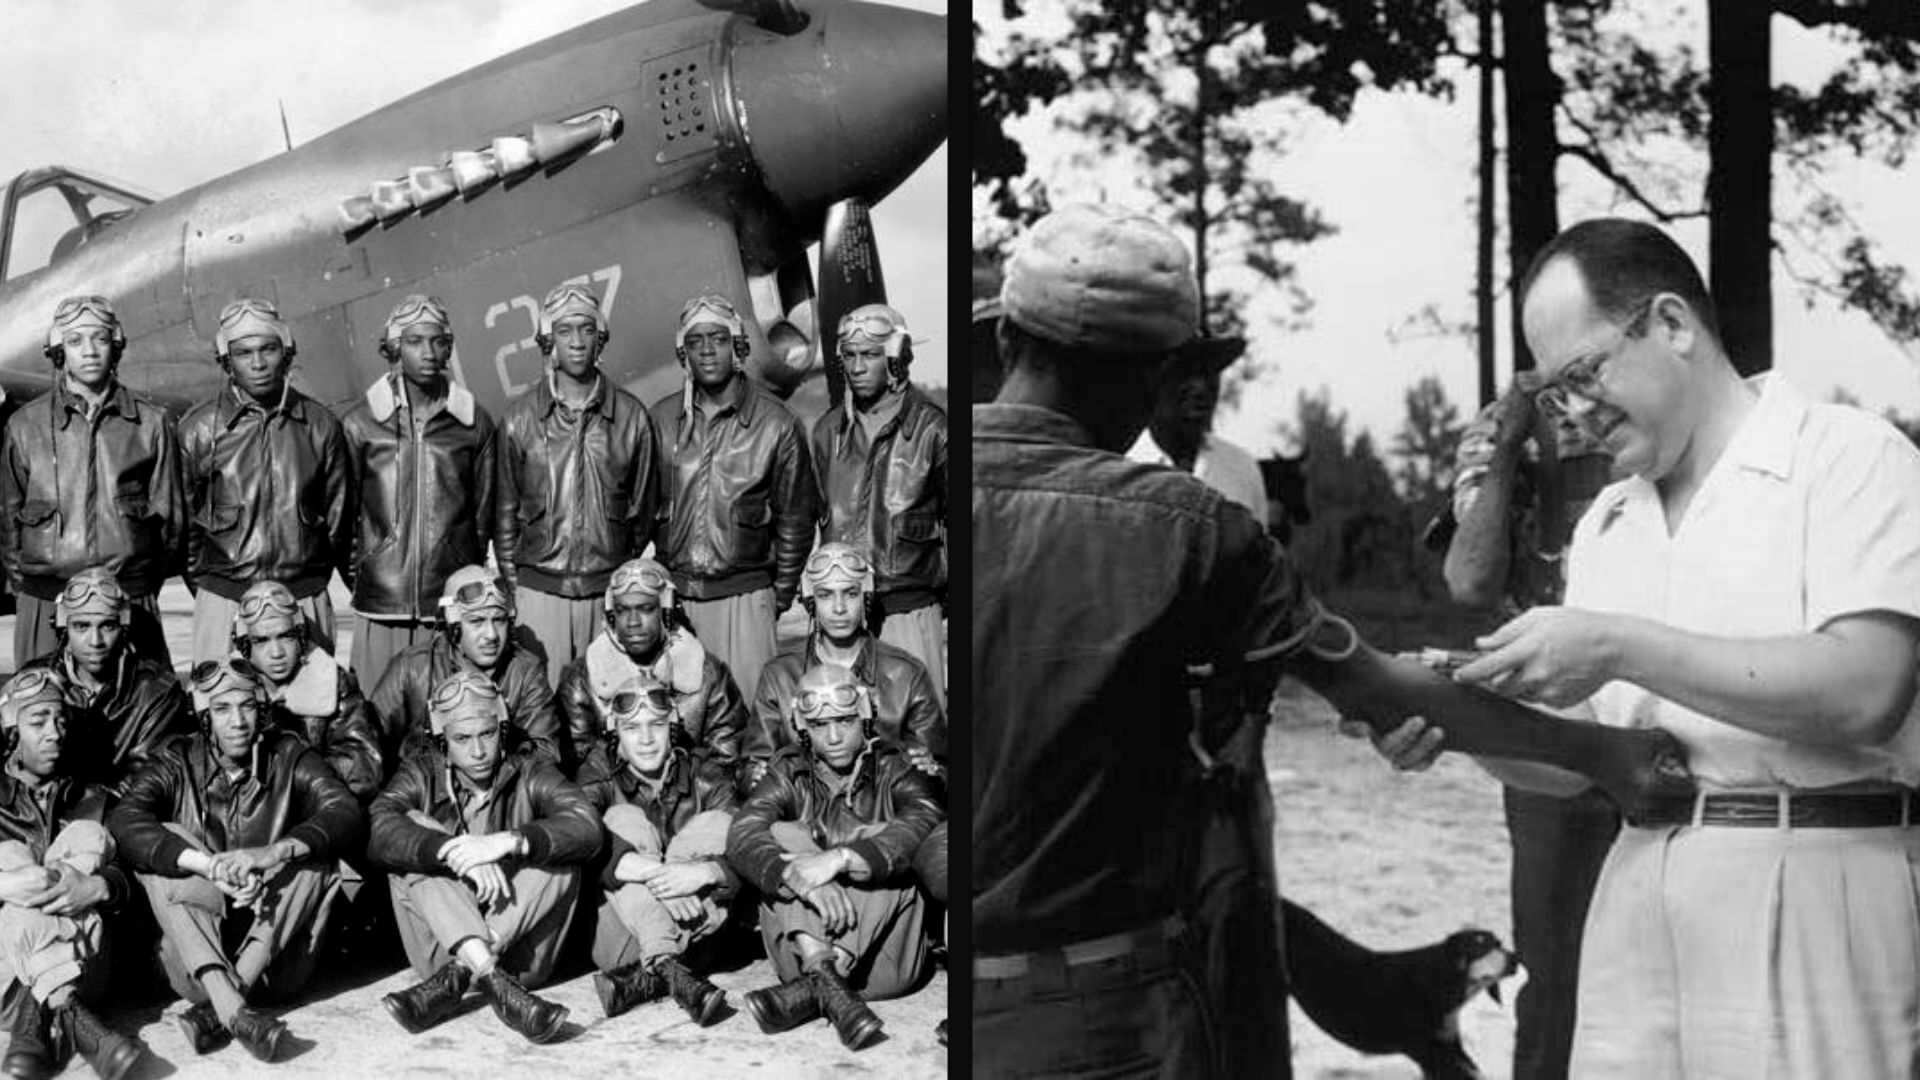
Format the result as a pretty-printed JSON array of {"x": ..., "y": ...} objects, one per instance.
[
  {"x": 1753, "y": 588},
  {"x": 1180, "y": 432}
]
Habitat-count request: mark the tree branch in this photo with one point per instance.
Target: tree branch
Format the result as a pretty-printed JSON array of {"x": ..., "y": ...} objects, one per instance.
[
  {"x": 1590, "y": 153},
  {"x": 1877, "y": 18}
]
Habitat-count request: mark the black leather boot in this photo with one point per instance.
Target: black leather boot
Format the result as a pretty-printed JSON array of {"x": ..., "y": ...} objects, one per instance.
[
  {"x": 30, "y": 1054},
  {"x": 203, "y": 1029},
  {"x": 259, "y": 1033},
  {"x": 784, "y": 1006},
  {"x": 702, "y": 1000},
  {"x": 430, "y": 1000},
  {"x": 111, "y": 1054},
  {"x": 532, "y": 1016},
  {"x": 623, "y": 988},
  {"x": 848, "y": 1014}
]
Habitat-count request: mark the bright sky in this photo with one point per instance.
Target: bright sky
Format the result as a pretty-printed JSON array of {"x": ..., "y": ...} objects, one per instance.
[
  {"x": 168, "y": 95},
  {"x": 1398, "y": 181}
]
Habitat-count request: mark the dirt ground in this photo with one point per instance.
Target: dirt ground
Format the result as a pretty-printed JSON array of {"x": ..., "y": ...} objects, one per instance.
[
  {"x": 1391, "y": 860},
  {"x": 342, "y": 1030}
]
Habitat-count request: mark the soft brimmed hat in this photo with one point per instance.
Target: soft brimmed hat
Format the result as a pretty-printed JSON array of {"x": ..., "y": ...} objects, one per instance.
[{"x": 1093, "y": 277}]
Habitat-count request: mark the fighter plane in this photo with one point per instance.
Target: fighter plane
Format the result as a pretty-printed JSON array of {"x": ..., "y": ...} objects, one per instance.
[{"x": 674, "y": 148}]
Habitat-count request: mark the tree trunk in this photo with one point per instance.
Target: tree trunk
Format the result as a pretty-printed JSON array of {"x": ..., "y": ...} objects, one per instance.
[
  {"x": 1532, "y": 91},
  {"x": 1483, "y": 260},
  {"x": 1739, "y": 180}
]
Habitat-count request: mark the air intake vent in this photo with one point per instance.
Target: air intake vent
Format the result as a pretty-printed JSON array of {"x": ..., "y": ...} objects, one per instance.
[{"x": 680, "y": 94}]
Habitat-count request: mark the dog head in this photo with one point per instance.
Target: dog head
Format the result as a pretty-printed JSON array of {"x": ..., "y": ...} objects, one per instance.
[{"x": 1482, "y": 962}]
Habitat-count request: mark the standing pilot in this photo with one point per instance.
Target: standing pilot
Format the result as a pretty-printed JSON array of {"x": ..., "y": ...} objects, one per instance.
[
  {"x": 89, "y": 474},
  {"x": 269, "y": 485},
  {"x": 577, "y": 481},
  {"x": 740, "y": 494},
  {"x": 424, "y": 449},
  {"x": 882, "y": 460}
]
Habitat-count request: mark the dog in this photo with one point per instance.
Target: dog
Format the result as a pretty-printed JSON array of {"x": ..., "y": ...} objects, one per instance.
[{"x": 1394, "y": 1002}]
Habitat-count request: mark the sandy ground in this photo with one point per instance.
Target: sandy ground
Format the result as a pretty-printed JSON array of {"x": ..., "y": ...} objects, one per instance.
[
  {"x": 1392, "y": 860},
  {"x": 343, "y": 1031}
]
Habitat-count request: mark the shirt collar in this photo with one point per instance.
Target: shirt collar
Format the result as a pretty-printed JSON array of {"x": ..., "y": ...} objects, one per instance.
[
  {"x": 236, "y": 402},
  {"x": 385, "y": 398},
  {"x": 865, "y": 663},
  {"x": 117, "y": 398},
  {"x": 548, "y": 389},
  {"x": 1767, "y": 437},
  {"x": 1027, "y": 423}
]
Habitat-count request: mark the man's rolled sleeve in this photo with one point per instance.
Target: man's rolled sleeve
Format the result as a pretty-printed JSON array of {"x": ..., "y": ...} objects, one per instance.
[
  {"x": 1266, "y": 611},
  {"x": 1863, "y": 525}
]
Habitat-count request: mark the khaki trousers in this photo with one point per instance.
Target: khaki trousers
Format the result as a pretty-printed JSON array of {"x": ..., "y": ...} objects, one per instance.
[
  {"x": 633, "y": 925},
  {"x": 888, "y": 942},
  {"x": 46, "y": 952}
]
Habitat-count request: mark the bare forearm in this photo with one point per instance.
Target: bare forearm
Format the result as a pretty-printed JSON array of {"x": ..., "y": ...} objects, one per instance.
[
  {"x": 1533, "y": 776},
  {"x": 1834, "y": 687},
  {"x": 1480, "y": 556}
]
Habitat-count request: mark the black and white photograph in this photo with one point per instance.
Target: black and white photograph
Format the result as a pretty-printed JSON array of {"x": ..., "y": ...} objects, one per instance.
[
  {"x": 1445, "y": 539},
  {"x": 473, "y": 518}
]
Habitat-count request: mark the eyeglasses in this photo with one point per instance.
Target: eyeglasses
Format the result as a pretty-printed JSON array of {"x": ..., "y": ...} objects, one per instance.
[
  {"x": 1583, "y": 376},
  {"x": 845, "y": 697}
]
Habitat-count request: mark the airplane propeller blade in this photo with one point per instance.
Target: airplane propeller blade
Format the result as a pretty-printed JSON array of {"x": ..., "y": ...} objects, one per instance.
[
  {"x": 778, "y": 16},
  {"x": 849, "y": 277}
]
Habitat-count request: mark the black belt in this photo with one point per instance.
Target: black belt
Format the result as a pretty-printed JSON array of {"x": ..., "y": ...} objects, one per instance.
[
  {"x": 1155, "y": 941},
  {"x": 1828, "y": 810}
]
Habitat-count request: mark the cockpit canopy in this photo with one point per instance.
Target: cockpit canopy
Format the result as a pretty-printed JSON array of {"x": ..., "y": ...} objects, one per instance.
[{"x": 49, "y": 213}]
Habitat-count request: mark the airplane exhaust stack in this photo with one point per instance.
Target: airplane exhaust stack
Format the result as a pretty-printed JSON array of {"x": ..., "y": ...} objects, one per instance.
[
  {"x": 472, "y": 171},
  {"x": 848, "y": 107},
  {"x": 391, "y": 200},
  {"x": 555, "y": 143},
  {"x": 514, "y": 156},
  {"x": 357, "y": 213},
  {"x": 431, "y": 187}
]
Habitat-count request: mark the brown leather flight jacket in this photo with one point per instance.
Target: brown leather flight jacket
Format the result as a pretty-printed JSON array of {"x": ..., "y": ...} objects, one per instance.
[
  {"x": 78, "y": 492},
  {"x": 22, "y": 818},
  {"x": 288, "y": 793},
  {"x": 322, "y": 704},
  {"x": 888, "y": 498},
  {"x": 906, "y": 712},
  {"x": 740, "y": 497},
  {"x": 400, "y": 699},
  {"x": 884, "y": 790},
  {"x": 271, "y": 494},
  {"x": 576, "y": 493},
  {"x": 115, "y": 733},
  {"x": 560, "y": 824},
  {"x": 694, "y": 784},
  {"x": 711, "y": 721},
  {"x": 426, "y": 501}
]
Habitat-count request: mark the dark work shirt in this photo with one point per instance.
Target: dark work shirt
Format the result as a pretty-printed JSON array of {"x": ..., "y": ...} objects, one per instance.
[{"x": 1096, "y": 581}]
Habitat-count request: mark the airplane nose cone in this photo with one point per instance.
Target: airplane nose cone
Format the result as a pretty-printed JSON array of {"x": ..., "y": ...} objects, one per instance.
[{"x": 848, "y": 106}]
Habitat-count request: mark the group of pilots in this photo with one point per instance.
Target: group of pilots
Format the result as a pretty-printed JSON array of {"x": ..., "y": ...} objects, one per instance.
[{"x": 568, "y": 728}]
